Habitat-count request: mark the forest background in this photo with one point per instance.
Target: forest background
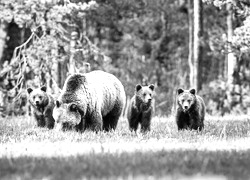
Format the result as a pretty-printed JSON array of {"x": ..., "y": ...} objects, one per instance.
[{"x": 172, "y": 44}]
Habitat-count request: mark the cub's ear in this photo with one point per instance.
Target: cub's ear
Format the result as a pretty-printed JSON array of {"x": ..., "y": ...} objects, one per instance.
[
  {"x": 44, "y": 88},
  {"x": 138, "y": 87},
  {"x": 29, "y": 90},
  {"x": 152, "y": 87},
  {"x": 73, "y": 107},
  {"x": 192, "y": 91},
  {"x": 58, "y": 103},
  {"x": 179, "y": 91},
  {"x": 87, "y": 67}
]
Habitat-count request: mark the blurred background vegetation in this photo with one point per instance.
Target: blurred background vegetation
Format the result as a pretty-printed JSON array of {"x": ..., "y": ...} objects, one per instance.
[{"x": 172, "y": 44}]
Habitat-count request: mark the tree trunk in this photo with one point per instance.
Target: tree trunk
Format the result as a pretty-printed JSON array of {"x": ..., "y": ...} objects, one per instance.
[
  {"x": 73, "y": 45},
  {"x": 231, "y": 58},
  {"x": 191, "y": 40},
  {"x": 3, "y": 35},
  {"x": 233, "y": 88},
  {"x": 198, "y": 32}
]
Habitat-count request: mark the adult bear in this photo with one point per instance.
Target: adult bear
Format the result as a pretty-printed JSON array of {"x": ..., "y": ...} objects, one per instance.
[{"x": 93, "y": 100}]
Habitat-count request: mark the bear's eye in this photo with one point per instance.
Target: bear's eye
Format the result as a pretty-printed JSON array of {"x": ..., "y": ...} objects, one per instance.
[
  {"x": 189, "y": 100},
  {"x": 40, "y": 97},
  {"x": 57, "y": 104},
  {"x": 144, "y": 94},
  {"x": 73, "y": 107}
]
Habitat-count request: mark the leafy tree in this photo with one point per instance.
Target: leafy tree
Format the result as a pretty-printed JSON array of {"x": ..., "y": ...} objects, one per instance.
[
  {"x": 236, "y": 88},
  {"x": 140, "y": 41},
  {"x": 50, "y": 45}
]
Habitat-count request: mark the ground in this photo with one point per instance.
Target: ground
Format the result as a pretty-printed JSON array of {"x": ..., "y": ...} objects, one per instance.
[{"x": 220, "y": 151}]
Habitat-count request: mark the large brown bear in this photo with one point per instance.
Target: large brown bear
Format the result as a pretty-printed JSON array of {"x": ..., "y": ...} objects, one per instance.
[
  {"x": 42, "y": 104},
  {"x": 93, "y": 100},
  {"x": 140, "y": 109},
  {"x": 190, "y": 112}
]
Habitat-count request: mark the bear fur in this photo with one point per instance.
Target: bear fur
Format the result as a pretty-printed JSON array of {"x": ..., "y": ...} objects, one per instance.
[
  {"x": 190, "y": 112},
  {"x": 42, "y": 104},
  {"x": 141, "y": 108},
  {"x": 93, "y": 100}
]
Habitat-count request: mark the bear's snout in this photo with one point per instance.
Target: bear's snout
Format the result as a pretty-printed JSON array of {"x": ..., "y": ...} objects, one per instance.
[
  {"x": 185, "y": 105},
  {"x": 148, "y": 99}
]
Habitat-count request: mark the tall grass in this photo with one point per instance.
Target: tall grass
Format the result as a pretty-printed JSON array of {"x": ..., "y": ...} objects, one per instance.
[{"x": 221, "y": 150}]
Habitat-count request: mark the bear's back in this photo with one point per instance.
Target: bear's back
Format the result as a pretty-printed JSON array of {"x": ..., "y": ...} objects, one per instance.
[
  {"x": 97, "y": 78},
  {"x": 101, "y": 78},
  {"x": 107, "y": 87},
  {"x": 202, "y": 106}
]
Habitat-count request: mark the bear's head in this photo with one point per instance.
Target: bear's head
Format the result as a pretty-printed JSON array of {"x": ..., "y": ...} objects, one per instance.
[
  {"x": 71, "y": 106},
  {"x": 144, "y": 94},
  {"x": 38, "y": 97},
  {"x": 186, "y": 98},
  {"x": 67, "y": 115}
]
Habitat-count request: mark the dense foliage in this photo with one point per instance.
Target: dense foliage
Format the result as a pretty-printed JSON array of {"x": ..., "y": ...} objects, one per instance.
[{"x": 141, "y": 41}]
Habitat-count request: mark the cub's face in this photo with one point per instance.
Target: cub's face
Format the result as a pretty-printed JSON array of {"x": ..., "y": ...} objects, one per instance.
[
  {"x": 186, "y": 98},
  {"x": 66, "y": 116},
  {"x": 145, "y": 93},
  {"x": 37, "y": 97}
]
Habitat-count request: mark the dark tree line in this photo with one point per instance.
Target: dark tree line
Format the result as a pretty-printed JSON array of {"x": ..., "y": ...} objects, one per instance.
[{"x": 168, "y": 43}]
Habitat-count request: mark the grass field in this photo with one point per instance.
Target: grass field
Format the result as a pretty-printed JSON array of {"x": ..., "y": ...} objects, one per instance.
[{"x": 220, "y": 151}]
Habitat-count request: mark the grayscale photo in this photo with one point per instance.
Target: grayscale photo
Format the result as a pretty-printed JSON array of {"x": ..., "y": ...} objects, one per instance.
[{"x": 124, "y": 89}]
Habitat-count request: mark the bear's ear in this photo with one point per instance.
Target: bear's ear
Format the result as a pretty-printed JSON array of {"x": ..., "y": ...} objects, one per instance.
[
  {"x": 138, "y": 87},
  {"x": 87, "y": 67},
  {"x": 29, "y": 90},
  {"x": 44, "y": 88},
  {"x": 152, "y": 87},
  {"x": 192, "y": 91},
  {"x": 73, "y": 107},
  {"x": 58, "y": 103},
  {"x": 179, "y": 91}
]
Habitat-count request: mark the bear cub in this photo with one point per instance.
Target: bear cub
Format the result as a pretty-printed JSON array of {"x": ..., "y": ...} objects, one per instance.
[
  {"x": 190, "y": 112},
  {"x": 42, "y": 104},
  {"x": 140, "y": 109}
]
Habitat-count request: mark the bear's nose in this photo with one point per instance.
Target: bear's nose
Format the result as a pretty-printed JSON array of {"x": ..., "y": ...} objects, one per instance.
[
  {"x": 37, "y": 102},
  {"x": 185, "y": 107}
]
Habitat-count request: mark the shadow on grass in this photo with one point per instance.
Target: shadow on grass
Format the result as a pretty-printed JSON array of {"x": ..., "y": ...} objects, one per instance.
[{"x": 229, "y": 164}]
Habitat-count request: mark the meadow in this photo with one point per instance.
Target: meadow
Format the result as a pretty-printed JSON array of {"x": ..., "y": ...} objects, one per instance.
[{"x": 220, "y": 151}]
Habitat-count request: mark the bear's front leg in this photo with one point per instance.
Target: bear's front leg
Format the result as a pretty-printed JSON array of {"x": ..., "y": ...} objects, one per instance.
[
  {"x": 133, "y": 119},
  {"x": 195, "y": 122},
  {"x": 182, "y": 120},
  {"x": 49, "y": 120},
  {"x": 39, "y": 119},
  {"x": 96, "y": 121},
  {"x": 146, "y": 121}
]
